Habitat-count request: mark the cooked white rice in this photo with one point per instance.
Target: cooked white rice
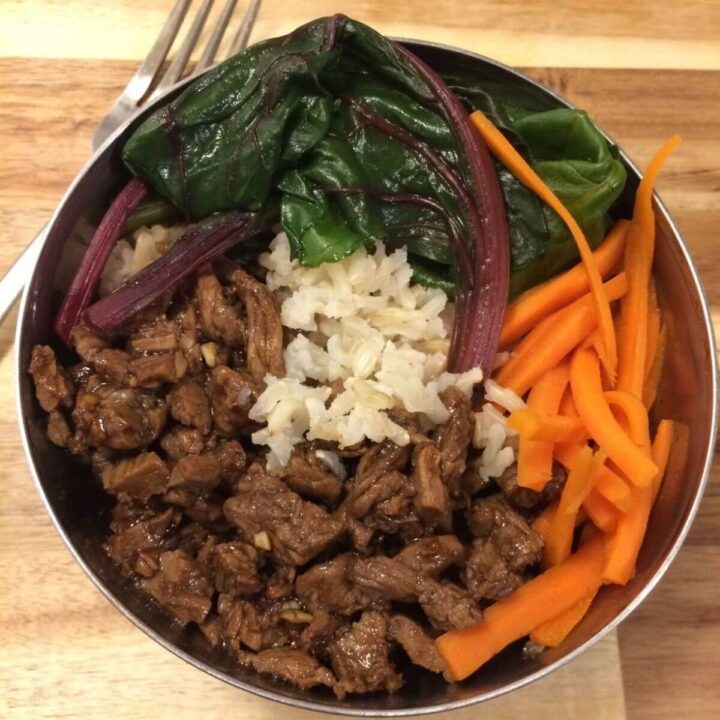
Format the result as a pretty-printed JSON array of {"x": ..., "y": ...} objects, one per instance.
[{"x": 362, "y": 323}]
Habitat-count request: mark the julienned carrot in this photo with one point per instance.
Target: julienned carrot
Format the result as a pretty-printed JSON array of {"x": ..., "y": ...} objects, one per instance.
[
  {"x": 515, "y": 616},
  {"x": 535, "y": 457},
  {"x": 567, "y": 404},
  {"x": 624, "y": 543},
  {"x": 523, "y": 313},
  {"x": 514, "y": 162},
  {"x": 664, "y": 436},
  {"x": 652, "y": 379},
  {"x": 653, "y": 326},
  {"x": 554, "y": 338},
  {"x": 603, "y": 514},
  {"x": 545, "y": 426},
  {"x": 634, "y": 414},
  {"x": 606, "y": 482},
  {"x": 558, "y": 538},
  {"x": 601, "y": 423},
  {"x": 639, "y": 252},
  {"x": 553, "y": 632},
  {"x": 543, "y": 521}
]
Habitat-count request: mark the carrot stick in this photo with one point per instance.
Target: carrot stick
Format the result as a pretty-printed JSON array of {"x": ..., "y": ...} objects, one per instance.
[
  {"x": 523, "y": 313},
  {"x": 545, "y": 426},
  {"x": 511, "y": 618},
  {"x": 653, "y": 326},
  {"x": 624, "y": 544},
  {"x": 514, "y": 162},
  {"x": 652, "y": 379},
  {"x": 558, "y": 540},
  {"x": 535, "y": 457},
  {"x": 601, "y": 423},
  {"x": 639, "y": 252},
  {"x": 567, "y": 404},
  {"x": 553, "y": 632},
  {"x": 606, "y": 482},
  {"x": 634, "y": 415},
  {"x": 664, "y": 436},
  {"x": 543, "y": 521},
  {"x": 553, "y": 339},
  {"x": 603, "y": 515}
]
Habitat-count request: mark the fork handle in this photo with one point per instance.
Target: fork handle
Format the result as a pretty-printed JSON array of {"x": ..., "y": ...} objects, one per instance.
[{"x": 14, "y": 280}]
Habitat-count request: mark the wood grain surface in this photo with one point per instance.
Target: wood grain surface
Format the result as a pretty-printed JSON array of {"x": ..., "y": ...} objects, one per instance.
[{"x": 644, "y": 70}]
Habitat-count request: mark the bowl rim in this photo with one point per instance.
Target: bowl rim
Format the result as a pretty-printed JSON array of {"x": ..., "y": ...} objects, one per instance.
[{"x": 311, "y": 705}]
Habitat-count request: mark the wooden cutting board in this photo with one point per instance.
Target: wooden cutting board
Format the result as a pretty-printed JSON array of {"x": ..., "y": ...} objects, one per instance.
[{"x": 64, "y": 651}]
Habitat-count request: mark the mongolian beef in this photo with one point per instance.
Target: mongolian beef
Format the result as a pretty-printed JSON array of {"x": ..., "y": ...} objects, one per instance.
[
  {"x": 305, "y": 573},
  {"x": 365, "y": 397}
]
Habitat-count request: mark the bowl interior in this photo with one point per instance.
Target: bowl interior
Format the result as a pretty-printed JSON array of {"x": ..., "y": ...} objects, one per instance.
[{"x": 80, "y": 508}]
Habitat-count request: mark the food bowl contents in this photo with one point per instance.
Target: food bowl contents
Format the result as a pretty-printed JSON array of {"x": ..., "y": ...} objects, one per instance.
[{"x": 366, "y": 359}]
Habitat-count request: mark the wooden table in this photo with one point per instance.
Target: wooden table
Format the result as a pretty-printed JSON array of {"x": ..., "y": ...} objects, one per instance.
[{"x": 644, "y": 70}]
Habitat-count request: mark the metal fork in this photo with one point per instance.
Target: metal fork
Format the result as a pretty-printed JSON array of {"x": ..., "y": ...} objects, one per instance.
[{"x": 137, "y": 93}]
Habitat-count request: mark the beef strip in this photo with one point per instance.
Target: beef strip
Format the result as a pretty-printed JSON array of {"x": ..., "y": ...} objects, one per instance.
[
  {"x": 359, "y": 656},
  {"x": 150, "y": 371},
  {"x": 384, "y": 578},
  {"x": 181, "y": 587},
  {"x": 58, "y": 430},
  {"x": 232, "y": 394},
  {"x": 220, "y": 318},
  {"x": 329, "y": 586},
  {"x": 432, "y": 503},
  {"x": 108, "y": 414},
  {"x": 447, "y": 605},
  {"x": 138, "y": 476},
  {"x": 506, "y": 546},
  {"x": 297, "y": 530},
  {"x": 453, "y": 438},
  {"x": 196, "y": 472},
  {"x": 310, "y": 477},
  {"x": 153, "y": 337},
  {"x": 139, "y": 536},
  {"x": 293, "y": 666},
  {"x": 235, "y": 569},
  {"x": 94, "y": 351},
  {"x": 281, "y": 583},
  {"x": 431, "y": 556},
  {"x": 527, "y": 498},
  {"x": 233, "y": 461},
  {"x": 180, "y": 441},
  {"x": 254, "y": 625},
  {"x": 263, "y": 331},
  {"x": 190, "y": 405},
  {"x": 53, "y": 388},
  {"x": 419, "y": 646}
]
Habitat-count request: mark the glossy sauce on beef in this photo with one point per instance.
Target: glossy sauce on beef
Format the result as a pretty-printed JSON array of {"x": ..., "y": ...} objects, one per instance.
[{"x": 313, "y": 578}]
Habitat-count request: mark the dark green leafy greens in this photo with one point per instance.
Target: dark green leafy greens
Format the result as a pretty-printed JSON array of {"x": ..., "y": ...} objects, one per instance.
[
  {"x": 361, "y": 142},
  {"x": 571, "y": 156}
]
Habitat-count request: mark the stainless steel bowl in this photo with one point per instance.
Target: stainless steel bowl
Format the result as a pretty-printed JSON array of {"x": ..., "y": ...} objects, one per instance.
[{"x": 80, "y": 509}]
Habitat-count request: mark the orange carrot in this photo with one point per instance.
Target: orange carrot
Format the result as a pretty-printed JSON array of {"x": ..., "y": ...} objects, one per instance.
[
  {"x": 553, "y": 339},
  {"x": 523, "y": 313},
  {"x": 553, "y": 632},
  {"x": 535, "y": 457},
  {"x": 652, "y": 379},
  {"x": 558, "y": 541},
  {"x": 634, "y": 415},
  {"x": 639, "y": 252},
  {"x": 653, "y": 326},
  {"x": 545, "y": 426},
  {"x": 601, "y": 423},
  {"x": 664, "y": 436},
  {"x": 608, "y": 483},
  {"x": 511, "y": 618},
  {"x": 514, "y": 162},
  {"x": 542, "y": 523},
  {"x": 567, "y": 404},
  {"x": 603, "y": 515},
  {"x": 625, "y": 542}
]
